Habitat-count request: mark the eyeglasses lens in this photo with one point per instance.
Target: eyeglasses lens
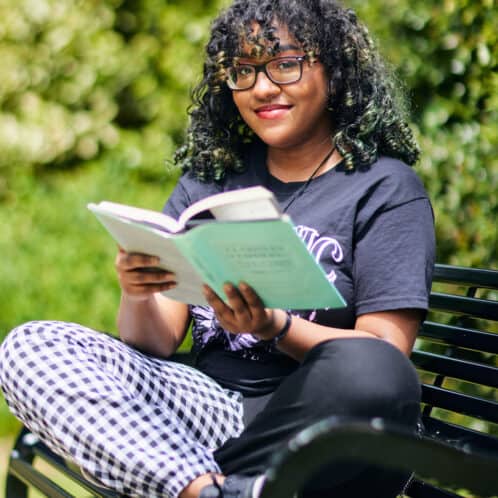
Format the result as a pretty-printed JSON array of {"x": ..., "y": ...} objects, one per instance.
[
  {"x": 281, "y": 71},
  {"x": 241, "y": 77},
  {"x": 284, "y": 70}
]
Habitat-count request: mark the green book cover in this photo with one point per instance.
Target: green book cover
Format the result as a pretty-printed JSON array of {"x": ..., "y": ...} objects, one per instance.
[{"x": 268, "y": 255}]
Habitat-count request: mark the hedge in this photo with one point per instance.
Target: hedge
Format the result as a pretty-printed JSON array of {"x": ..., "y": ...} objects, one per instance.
[{"x": 80, "y": 77}]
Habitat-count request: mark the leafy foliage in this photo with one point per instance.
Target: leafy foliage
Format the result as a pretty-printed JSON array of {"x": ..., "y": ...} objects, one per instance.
[
  {"x": 79, "y": 78},
  {"x": 61, "y": 67},
  {"x": 447, "y": 52}
]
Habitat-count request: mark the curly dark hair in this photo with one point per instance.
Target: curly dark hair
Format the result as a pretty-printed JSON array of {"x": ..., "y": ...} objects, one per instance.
[{"x": 368, "y": 111}]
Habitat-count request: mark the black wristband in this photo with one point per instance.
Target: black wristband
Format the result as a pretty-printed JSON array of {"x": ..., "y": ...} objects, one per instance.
[{"x": 284, "y": 330}]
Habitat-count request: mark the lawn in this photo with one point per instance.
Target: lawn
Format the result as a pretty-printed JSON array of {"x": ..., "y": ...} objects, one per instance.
[{"x": 58, "y": 261}]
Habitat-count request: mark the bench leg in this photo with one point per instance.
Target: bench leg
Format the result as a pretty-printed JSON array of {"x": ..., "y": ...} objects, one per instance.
[{"x": 15, "y": 487}]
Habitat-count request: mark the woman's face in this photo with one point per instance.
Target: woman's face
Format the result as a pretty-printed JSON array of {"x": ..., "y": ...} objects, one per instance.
[{"x": 291, "y": 115}]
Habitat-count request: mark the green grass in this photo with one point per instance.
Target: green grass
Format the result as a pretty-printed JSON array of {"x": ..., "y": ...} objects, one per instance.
[{"x": 57, "y": 261}]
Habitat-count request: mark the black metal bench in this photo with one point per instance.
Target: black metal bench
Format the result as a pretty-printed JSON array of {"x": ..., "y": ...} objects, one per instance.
[{"x": 457, "y": 357}]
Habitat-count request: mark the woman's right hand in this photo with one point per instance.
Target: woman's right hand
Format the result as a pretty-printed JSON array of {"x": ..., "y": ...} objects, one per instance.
[{"x": 139, "y": 276}]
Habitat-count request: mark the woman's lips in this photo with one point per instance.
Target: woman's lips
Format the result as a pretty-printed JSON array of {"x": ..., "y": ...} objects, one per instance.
[{"x": 273, "y": 111}]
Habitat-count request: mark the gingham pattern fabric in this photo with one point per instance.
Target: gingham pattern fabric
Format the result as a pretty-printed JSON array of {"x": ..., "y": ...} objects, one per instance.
[{"x": 140, "y": 425}]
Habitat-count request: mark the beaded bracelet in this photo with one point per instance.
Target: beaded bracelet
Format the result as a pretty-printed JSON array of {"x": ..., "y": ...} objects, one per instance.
[{"x": 284, "y": 330}]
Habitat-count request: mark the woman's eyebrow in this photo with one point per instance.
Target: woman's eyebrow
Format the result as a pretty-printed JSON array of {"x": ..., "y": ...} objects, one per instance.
[{"x": 281, "y": 48}]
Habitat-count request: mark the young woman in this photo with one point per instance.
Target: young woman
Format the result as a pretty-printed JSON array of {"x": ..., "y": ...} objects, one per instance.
[{"x": 294, "y": 98}]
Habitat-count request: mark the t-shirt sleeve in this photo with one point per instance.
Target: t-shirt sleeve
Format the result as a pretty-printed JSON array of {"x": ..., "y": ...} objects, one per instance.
[
  {"x": 188, "y": 190},
  {"x": 394, "y": 255},
  {"x": 178, "y": 201}
]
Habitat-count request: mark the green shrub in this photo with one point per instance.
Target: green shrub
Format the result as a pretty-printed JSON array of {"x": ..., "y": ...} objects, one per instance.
[
  {"x": 78, "y": 78},
  {"x": 447, "y": 51},
  {"x": 62, "y": 63}
]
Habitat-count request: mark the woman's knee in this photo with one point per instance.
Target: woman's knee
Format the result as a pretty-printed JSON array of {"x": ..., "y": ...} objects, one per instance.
[
  {"x": 364, "y": 378},
  {"x": 16, "y": 350},
  {"x": 26, "y": 337},
  {"x": 32, "y": 347},
  {"x": 17, "y": 340}
]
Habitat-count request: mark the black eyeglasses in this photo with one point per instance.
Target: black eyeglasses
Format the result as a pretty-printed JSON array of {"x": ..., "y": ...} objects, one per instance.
[{"x": 281, "y": 71}]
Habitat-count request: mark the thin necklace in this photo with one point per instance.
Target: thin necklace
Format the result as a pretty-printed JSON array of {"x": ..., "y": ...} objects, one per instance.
[{"x": 301, "y": 191}]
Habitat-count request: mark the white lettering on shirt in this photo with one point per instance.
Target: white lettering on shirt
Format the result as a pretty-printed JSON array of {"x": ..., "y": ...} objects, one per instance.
[{"x": 321, "y": 247}]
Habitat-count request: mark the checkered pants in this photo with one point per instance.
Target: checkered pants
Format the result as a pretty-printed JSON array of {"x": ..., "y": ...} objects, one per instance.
[{"x": 140, "y": 425}]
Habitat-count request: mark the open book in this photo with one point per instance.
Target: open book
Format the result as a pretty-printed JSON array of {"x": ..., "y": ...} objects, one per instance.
[{"x": 246, "y": 238}]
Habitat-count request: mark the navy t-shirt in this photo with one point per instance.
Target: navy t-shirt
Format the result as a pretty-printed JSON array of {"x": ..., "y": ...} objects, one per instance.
[{"x": 372, "y": 231}]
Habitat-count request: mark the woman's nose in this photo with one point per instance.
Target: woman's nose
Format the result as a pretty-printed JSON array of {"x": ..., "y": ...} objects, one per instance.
[{"x": 264, "y": 86}]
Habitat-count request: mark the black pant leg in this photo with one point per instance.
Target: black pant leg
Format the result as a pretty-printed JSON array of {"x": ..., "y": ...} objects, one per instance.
[{"x": 346, "y": 377}]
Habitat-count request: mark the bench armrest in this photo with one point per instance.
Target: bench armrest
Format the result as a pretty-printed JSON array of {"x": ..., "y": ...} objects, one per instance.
[{"x": 384, "y": 444}]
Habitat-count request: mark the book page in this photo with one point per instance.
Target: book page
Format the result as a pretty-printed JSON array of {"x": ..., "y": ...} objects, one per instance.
[
  {"x": 139, "y": 238},
  {"x": 251, "y": 203},
  {"x": 148, "y": 217}
]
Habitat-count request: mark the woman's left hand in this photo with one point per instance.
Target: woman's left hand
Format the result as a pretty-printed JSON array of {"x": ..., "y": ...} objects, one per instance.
[{"x": 244, "y": 312}]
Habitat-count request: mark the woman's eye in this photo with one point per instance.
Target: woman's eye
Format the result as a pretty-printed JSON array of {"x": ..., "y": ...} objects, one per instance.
[
  {"x": 244, "y": 71},
  {"x": 286, "y": 65}
]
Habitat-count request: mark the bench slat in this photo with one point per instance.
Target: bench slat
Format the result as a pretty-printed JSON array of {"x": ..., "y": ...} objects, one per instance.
[
  {"x": 460, "y": 403},
  {"x": 58, "y": 463},
  {"x": 28, "y": 474},
  {"x": 476, "y": 277},
  {"x": 461, "y": 337},
  {"x": 456, "y": 368},
  {"x": 461, "y": 436},
  {"x": 461, "y": 305}
]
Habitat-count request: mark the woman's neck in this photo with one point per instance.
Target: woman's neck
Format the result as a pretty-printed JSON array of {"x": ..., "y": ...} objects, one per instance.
[{"x": 298, "y": 163}]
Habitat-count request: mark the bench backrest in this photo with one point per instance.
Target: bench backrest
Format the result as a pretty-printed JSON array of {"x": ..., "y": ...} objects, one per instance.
[{"x": 457, "y": 358}]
